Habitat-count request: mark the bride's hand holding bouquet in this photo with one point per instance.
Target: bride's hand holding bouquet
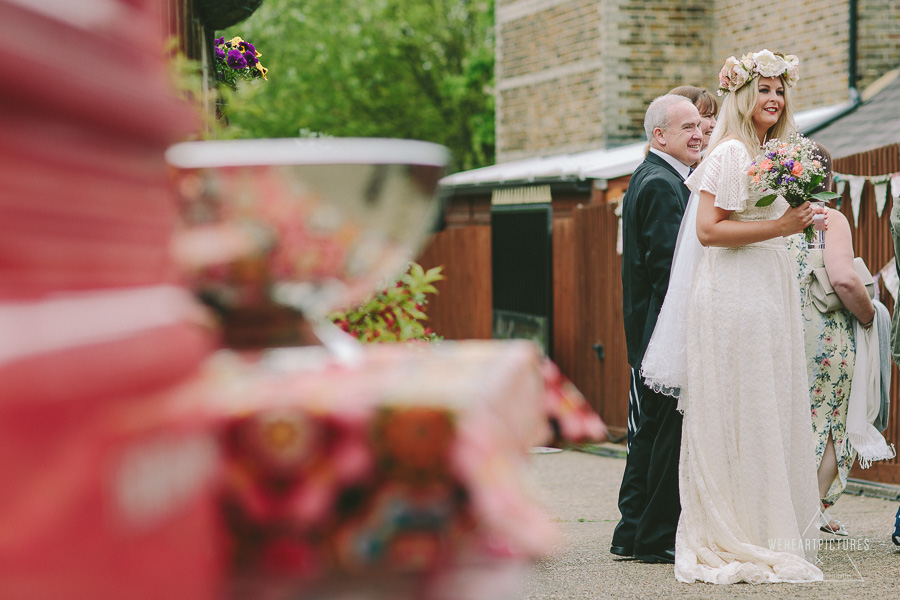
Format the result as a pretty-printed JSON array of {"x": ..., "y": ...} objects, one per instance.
[{"x": 791, "y": 169}]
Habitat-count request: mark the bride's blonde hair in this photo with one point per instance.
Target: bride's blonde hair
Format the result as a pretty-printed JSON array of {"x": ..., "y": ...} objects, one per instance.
[{"x": 735, "y": 120}]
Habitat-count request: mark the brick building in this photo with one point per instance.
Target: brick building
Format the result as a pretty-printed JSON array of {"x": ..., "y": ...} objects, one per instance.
[{"x": 576, "y": 75}]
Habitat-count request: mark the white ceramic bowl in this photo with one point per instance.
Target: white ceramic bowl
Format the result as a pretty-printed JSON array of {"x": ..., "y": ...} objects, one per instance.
[{"x": 313, "y": 224}]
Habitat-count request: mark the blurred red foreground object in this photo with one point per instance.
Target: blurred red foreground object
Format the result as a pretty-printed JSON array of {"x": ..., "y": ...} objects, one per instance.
[
  {"x": 106, "y": 489},
  {"x": 408, "y": 466}
]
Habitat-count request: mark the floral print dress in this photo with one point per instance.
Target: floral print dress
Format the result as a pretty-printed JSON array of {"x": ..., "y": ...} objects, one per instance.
[{"x": 830, "y": 357}]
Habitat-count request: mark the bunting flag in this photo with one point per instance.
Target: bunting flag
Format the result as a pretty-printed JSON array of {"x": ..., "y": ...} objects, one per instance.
[
  {"x": 840, "y": 184},
  {"x": 891, "y": 282},
  {"x": 885, "y": 187},
  {"x": 881, "y": 192},
  {"x": 856, "y": 188}
]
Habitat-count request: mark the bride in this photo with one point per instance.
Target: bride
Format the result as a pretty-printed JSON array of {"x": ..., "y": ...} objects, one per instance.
[{"x": 729, "y": 345}]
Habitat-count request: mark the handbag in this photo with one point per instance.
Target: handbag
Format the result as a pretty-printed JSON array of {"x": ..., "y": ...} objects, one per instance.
[{"x": 822, "y": 293}]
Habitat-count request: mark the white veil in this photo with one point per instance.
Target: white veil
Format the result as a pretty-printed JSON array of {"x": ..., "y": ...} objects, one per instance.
[{"x": 664, "y": 367}]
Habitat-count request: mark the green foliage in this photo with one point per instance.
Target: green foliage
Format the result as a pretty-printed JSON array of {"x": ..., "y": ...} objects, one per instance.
[
  {"x": 420, "y": 69},
  {"x": 396, "y": 313}
]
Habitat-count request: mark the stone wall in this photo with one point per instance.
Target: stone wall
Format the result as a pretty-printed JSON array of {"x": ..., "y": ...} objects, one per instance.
[
  {"x": 653, "y": 46},
  {"x": 816, "y": 31},
  {"x": 577, "y": 75},
  {"x": 549, "y": 73},
  {"x": 878, "y": 44}
]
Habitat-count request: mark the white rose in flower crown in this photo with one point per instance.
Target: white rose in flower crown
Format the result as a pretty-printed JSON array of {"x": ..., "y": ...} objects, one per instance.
[
  {"x": 792, "y": 75},
  {"x": 768, "y": 64},
  {"x": 748, "y": 63}
]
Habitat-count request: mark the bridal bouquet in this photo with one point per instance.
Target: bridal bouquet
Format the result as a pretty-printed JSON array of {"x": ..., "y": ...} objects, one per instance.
[
  {"x": 237, "y": 59},
  {"x": 791, "y": 169}
]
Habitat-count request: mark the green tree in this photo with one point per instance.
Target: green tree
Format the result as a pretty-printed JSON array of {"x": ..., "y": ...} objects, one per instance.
[{"x": 418, "y": 69}]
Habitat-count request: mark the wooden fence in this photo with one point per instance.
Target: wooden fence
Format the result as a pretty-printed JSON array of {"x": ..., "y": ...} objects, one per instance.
[
  {"x": 462, "y": 308},
  {"x": 872, "y": 241},
  {"x": 587, "y": 301},
  {"x": 588, "y": 335}
]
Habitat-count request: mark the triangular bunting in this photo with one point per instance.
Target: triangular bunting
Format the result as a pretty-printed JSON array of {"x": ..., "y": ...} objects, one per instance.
[
  {"x": 881, "y": 193},
  {"x": 890, "y": 280},
  {"x": 856, "y": 187}
]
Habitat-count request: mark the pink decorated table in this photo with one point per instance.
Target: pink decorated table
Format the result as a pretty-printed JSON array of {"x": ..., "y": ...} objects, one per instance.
[{"x": 402, "y": 472}]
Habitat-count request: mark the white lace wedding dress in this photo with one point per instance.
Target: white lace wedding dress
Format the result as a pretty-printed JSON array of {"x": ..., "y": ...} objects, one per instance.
[{"x": 747, "y": 471}]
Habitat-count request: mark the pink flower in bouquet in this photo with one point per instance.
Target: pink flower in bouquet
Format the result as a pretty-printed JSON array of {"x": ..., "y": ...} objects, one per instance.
[{"x": 788, "y": 169}]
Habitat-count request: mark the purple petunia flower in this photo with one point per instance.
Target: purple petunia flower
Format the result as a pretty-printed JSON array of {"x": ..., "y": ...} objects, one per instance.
[
  {"x": 251, "y": 48},
  {"x": 250, "y": 58},
  {"x": 236, "y": 60},
  {"x": 220, "y": 54},
  {"x": 218, "y": 41}
]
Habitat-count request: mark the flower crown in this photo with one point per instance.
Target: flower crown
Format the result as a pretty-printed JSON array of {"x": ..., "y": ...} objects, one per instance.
[{"x": 764, "y": 63}]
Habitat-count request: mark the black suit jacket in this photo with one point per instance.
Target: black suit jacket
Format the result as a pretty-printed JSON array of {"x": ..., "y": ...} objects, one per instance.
[{"x": 651, "y": 215}]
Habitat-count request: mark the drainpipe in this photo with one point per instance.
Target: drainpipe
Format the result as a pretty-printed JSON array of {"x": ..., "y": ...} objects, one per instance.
[{"x": 852, "y": 75}]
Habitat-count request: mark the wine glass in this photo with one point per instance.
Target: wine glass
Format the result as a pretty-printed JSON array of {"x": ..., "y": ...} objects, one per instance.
[{"x": 276, "y": 233}]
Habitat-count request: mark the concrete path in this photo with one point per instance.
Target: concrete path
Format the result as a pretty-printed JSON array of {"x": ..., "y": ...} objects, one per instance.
[{"x": 580, "y": 491}]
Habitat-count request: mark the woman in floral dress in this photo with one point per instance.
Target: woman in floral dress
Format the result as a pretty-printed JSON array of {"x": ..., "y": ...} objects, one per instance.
[{"x": 831, "y": 351}]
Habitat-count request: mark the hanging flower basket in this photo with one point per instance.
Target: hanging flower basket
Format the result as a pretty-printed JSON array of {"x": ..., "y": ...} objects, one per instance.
[{"x": 221, "y": 14}]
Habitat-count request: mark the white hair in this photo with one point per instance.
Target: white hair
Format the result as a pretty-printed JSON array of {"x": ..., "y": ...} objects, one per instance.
[{"x": 657, "y": 115}]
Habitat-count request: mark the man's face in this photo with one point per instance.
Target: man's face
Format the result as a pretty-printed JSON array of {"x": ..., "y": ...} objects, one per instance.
[{"x": 683, "y": 138}]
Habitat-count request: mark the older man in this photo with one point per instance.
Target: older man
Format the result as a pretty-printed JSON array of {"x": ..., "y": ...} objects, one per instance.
[{"x": 651, "y": 215}]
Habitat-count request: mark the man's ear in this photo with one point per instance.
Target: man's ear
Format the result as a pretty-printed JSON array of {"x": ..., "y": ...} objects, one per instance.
[{"x": 660, "y": 136}]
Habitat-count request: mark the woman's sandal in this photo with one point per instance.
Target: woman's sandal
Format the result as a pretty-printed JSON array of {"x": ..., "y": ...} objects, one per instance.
[
  {"x": 896, "y": 536},
  {"x": 833, "y": 526}
]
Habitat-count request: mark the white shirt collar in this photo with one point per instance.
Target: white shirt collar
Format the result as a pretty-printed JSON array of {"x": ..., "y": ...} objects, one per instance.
[{"x": 683, "y": 169}]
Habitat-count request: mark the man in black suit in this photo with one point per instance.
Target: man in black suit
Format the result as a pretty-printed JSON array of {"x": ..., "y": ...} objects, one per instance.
[{"x": 651, "y": 215}]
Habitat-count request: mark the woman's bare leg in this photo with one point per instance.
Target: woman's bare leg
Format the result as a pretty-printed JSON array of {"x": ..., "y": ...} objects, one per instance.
[{"x": 828, "y": 468}]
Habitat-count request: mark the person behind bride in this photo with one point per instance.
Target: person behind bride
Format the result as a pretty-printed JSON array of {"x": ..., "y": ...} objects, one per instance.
[
  {"x": 729, "y": 345},
  {"x": 651, "y": 214},
  {"x": 831, "y": 354}
]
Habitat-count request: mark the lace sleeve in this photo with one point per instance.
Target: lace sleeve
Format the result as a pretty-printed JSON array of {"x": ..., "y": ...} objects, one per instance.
[{"x": 724, "y": 174}]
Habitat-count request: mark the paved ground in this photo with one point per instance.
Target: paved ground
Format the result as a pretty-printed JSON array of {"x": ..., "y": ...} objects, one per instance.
[{"x": 580, "y": 491}]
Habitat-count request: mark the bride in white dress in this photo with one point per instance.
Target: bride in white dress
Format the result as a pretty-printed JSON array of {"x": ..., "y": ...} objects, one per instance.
[{"x": 729, "y": 344}]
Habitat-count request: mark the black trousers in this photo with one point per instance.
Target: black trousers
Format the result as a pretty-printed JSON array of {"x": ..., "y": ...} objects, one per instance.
[
  {"x": 648, "y": 497},
  {"x": 634, "y": 407}
]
